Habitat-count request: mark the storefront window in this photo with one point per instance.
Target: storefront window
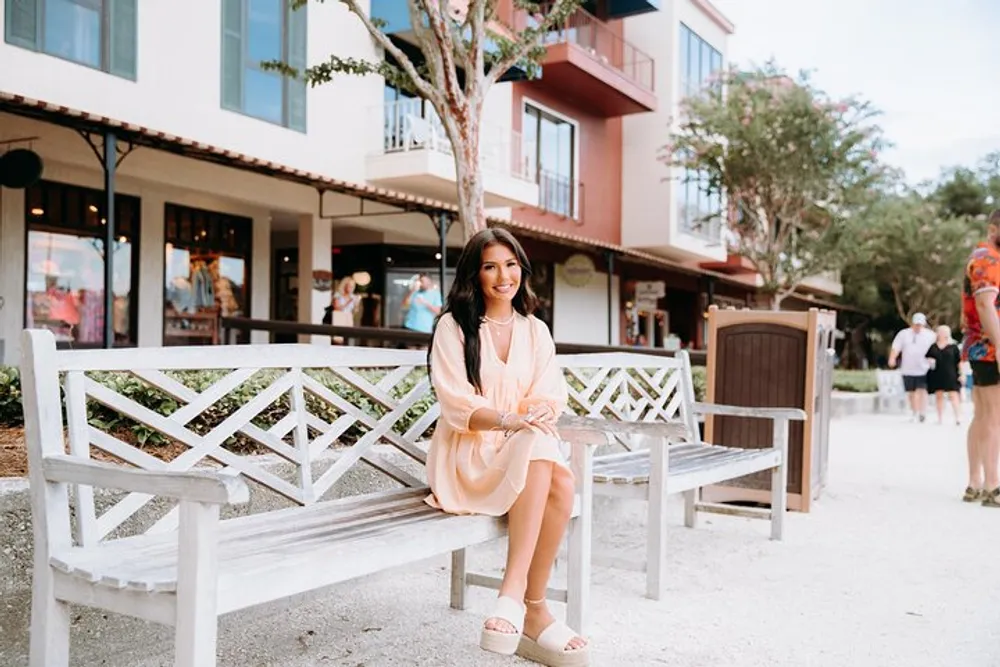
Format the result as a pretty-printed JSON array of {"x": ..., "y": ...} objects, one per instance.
[
  {"x": 207, "y": 273},
  {"x": 65, "y": 264}
]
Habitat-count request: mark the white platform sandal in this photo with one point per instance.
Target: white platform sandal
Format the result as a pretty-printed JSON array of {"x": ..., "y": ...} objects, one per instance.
[
  {"x": 505, "y": 643},
  {"x": 550, "y": 647}
]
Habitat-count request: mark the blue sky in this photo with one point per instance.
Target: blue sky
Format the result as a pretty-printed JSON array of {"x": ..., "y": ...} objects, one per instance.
[{"x": 932, "y": 67}]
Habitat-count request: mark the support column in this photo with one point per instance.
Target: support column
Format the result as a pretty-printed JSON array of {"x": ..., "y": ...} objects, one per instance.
[
  {"x": 152, "y": 270},
  {"x": 110, "y": 164},
  {"x": 315, "y": 254},
  {"x": 12, "y": 287},
  {"x": 611, "y": 301},
  {"x": 260, "y": 275},
  {"x": 443, "y": 225}
]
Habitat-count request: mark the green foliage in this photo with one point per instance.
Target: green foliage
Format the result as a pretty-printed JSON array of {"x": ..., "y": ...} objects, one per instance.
[
  {"x": 11, "y": 413},
  {"x": 450, "y": 42},
  {"x": 911, "y": 257},
  {"x": 854, "y": 381},
  {"x": 793, "y": 164}
]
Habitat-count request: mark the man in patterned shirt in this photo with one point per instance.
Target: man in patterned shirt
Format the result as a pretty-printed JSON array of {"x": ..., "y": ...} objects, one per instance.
[{"x": 980, "y": 306}]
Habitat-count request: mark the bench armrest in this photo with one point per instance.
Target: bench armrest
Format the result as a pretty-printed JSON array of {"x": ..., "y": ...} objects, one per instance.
[
  {"x": 204, "y": 487},
  {"x": 793, "y": 414}
]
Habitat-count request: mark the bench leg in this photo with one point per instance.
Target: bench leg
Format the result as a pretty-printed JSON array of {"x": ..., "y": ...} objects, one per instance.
[
  {"x": 691, "y": 499},
  {"x": 580, "y": 537},
  {"x": 656, "y": 523},
  {"x": 459, "y": 585},
  {"x": 49, "y": 645},
  {"x": 779, "y": 480},
  {"x": 197, "y": 623}
]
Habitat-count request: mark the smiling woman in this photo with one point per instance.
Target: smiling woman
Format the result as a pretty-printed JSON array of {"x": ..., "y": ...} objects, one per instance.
[{"x": 496, "y": 450}]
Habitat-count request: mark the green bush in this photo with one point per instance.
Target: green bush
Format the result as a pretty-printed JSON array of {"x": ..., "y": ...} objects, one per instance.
[
  {"x": 11, "y": 412},
  {"x": 854, "y": 381}
]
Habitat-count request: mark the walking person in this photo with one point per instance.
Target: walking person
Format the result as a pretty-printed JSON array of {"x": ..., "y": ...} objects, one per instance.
[
  {"x": 422, "y": 304},
  {"x": 980, "y": 303},
  {"x": 910, "y": 347},
  {"x": 495, "y": 450},
  {"x": 943, "y": 377}
]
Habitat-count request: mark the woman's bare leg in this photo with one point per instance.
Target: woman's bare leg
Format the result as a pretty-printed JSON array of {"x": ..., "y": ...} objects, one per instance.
[
  {"x": 939, "y": 399},
  {"x": 956, "y": 405},
  {"x": 524, "y": 521},
  {"x": 557, "y": 513}
]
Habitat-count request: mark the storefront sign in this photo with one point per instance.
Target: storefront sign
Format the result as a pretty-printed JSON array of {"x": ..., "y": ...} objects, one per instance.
[
  {"x": 578, "y": 270},
  {"x": 648, "y": 293},
  {"x": 322, "y": 281}
]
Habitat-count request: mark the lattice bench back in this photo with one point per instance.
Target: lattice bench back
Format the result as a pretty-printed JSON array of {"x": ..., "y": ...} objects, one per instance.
[
  {"x": 214, "y": 405},
  {"x": 632, "y": 387}
]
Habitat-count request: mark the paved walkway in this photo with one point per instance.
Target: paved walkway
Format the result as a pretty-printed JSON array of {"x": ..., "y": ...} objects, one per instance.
[{"x": 890, "y": 569}]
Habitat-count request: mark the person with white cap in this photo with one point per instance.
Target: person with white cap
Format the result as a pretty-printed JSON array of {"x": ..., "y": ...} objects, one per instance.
[{"x": 910, "y": 347}]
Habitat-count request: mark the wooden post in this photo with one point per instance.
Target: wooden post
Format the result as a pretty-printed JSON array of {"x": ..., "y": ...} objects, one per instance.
[
  {"x": 43, "y": 426},
  {"x": 580, "y": 540},
  {"x": 779, "y": 480},
  {"x": 197, "y": 625},
  {"x": 656, "y": 528}
]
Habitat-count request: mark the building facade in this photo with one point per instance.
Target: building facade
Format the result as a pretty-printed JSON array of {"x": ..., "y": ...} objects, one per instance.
[{"x": 238, "y": 192}]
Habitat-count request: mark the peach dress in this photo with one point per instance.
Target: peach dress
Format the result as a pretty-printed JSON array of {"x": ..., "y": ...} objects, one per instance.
[{"x": 481, "y": 472}]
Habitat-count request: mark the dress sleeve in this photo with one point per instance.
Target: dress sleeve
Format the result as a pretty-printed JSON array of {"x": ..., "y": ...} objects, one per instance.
[
  {"x": 548, "y": 384},
  {"x": 457, "y": 396}
]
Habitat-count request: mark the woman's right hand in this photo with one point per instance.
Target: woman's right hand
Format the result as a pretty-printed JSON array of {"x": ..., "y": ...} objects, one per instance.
[{"x": 521, "y": 422}]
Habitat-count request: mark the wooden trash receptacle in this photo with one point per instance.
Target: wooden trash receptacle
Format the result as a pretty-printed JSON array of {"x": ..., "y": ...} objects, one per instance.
[{"x": 759, "y": 358}]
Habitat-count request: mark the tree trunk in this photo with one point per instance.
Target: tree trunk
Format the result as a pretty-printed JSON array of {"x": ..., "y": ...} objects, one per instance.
[
  {"x": 766, "y": 301},
  {"x": 469, "y": 174}
]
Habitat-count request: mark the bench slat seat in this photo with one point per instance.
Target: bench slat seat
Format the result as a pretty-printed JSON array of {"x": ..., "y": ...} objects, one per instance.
[
  {"x": 294, "y": 550},
  {"x": 684, "y": 459}
]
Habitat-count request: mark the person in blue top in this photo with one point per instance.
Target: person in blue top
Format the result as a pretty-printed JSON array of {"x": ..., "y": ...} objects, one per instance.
[{"x": 422, "y": 305}]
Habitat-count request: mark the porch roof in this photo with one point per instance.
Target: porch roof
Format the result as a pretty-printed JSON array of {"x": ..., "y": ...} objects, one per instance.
[{"x": 139, "y": 135}]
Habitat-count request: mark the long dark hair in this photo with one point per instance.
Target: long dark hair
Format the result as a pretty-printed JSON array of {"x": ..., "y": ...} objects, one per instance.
[{"x": 466, "y": 302}]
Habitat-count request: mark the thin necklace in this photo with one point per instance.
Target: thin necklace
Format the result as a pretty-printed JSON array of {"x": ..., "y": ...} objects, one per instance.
[{"x": 498, "y": 322}]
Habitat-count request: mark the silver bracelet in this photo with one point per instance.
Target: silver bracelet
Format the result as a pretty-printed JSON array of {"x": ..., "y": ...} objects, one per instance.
[{"x": 503, "y": 419}]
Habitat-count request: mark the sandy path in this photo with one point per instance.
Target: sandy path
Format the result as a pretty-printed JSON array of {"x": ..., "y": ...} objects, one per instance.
[{"x": 890, "y": 569}]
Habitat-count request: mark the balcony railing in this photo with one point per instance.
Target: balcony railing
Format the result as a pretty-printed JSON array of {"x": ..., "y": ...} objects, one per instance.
[
  {"x": 413, "y": 124},
  {"x": 560, "y": 195},
  {"x": 594, "y": 36}
]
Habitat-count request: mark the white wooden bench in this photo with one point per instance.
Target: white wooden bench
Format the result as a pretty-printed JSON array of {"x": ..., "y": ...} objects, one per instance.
[
  {"x": 891, "y": 391},
  {"x": 174, "y": 561},
  {"x": 646, "y": 388}
]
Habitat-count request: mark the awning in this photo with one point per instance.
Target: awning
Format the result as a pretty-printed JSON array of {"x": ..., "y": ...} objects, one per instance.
[{"x": 151, "y": 138}]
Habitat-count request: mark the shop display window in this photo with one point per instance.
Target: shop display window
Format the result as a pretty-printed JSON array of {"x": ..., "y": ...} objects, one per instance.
[
  {"x": 64, "y": 273},
  {"x": 207, "y": 273}
]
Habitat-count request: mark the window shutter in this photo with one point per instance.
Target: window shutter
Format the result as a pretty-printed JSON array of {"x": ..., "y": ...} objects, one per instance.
[
  {"x": 21, "y": 23},
  {"x": 124, "y": 26},
  {"x": 297, "y": 58},
  {"x": 232, "y": 54}
]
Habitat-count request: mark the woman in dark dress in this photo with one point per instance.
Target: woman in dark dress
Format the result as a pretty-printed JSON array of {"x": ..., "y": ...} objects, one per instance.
[{"x": 943, "y": 377}]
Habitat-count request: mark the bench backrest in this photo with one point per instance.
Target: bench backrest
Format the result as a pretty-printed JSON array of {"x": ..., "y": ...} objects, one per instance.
[
  {"x": 629, "y": 386},
  {"x": 294, "y": 401},
  {"x": 212, "y": 404}
]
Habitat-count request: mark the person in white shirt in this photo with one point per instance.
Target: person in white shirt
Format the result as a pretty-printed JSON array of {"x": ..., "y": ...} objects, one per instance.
[{"x": 910, "y": 348}]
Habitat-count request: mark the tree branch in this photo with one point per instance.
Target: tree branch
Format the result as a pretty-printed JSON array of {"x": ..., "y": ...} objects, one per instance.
[
  {"x": 422, "y": 87},
  {"x": 531, "y": 37},
  {"x": 442, "y": 45}
]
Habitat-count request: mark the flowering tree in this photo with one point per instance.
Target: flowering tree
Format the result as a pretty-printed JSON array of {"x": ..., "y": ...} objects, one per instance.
[
  {"x": 916, "y": 251},
  {"x": 792, "y": 165},
  {"x": 457, "y": 71}
]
